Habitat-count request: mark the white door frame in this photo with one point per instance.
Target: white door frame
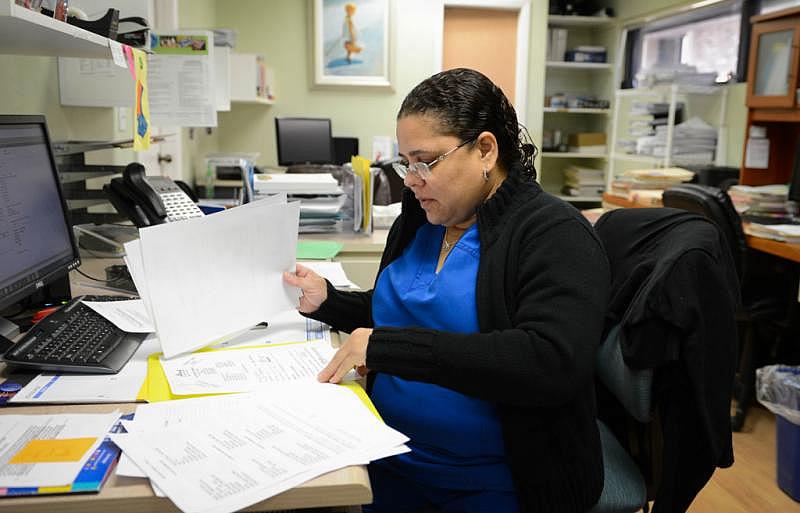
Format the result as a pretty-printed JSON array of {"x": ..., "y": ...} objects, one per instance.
[{"x": 523, "y": 37}]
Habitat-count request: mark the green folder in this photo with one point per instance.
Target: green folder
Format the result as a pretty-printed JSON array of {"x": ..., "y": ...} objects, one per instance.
[{"x": 317, "y": 249}]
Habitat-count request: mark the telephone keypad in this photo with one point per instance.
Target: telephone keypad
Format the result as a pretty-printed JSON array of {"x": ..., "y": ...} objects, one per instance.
[{"x": 179, "y": 206}]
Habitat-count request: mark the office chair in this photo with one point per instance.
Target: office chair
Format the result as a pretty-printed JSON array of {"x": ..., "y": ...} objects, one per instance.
[
  {"x": 665, "y": 369},
  {"x": 761, "y": 311}
]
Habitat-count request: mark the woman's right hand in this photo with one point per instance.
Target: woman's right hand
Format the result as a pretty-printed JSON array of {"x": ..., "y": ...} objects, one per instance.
[{"x": 313, "y": 286}]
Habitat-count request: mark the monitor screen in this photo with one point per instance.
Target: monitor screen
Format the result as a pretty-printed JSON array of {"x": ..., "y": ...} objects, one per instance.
[
  {"x": 36, "y": 241},
  {"x": 304, "y": 141}
]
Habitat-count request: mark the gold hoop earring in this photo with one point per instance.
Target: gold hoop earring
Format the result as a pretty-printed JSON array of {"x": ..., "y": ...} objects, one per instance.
[{"x": 486, "y": 174}]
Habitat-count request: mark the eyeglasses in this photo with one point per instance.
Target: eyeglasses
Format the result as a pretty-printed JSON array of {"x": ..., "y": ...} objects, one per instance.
[{"x": 423, "y": 169}]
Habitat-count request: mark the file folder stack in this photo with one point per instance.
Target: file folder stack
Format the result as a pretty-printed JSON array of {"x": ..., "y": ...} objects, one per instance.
[{"x": 321, "y": 198}]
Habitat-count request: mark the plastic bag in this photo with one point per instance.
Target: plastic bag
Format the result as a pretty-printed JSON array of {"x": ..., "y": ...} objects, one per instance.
[{"x": 778, "y": 388}]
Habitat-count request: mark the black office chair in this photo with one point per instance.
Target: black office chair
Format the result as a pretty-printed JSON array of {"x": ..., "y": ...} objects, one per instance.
[
  {"x": 763, "y": 311},
  {"x": 666, "y": 367}
]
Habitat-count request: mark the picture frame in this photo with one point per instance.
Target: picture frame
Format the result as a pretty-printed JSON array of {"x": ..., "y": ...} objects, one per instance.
[{"x": 352, "y": 43}]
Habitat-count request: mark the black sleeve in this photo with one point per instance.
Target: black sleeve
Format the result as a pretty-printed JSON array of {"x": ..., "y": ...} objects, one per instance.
[
  {"x": 558, "y": 296},
  {"x": 345, "y": 311}
]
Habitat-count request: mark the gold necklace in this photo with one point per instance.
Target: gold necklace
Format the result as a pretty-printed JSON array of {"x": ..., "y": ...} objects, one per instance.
[{"x": 447, "y": 246}]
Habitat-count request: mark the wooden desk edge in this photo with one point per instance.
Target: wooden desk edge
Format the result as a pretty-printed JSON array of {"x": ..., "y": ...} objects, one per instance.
[{"x": 343, "y": 487}]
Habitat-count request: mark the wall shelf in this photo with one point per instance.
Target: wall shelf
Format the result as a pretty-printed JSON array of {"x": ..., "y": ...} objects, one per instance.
[
  {"x": 255, "y": 101},
  {"x": 25, "y": 32}
]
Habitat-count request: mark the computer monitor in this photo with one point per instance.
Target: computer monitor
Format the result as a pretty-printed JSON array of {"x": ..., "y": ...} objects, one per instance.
[
  {"x": 37, "y": 246},
  {"x": 344, "y": 148},
  {"x": 304, "y": 141}
]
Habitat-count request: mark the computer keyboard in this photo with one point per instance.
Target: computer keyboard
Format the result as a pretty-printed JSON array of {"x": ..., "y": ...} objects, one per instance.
[{"x": 75, "y": 338}]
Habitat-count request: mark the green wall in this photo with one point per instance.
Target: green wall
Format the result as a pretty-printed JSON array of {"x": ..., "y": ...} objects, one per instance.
[{"x": 280, "y": 30}]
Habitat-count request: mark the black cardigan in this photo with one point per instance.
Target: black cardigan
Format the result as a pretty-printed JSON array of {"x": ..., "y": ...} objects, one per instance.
[{"x": 541, "y": 294}]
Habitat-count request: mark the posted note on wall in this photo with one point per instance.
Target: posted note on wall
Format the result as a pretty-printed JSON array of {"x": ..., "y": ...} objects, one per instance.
[
  {"x": 182, "y": 79},
  {"x": 141, "y": 118}
]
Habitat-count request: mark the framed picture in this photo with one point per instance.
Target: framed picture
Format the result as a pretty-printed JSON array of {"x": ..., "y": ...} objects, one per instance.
[{"x": 352, "y": 43}]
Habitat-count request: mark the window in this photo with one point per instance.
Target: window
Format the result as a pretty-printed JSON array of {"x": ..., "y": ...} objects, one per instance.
[{"x": 698, "y": 46}]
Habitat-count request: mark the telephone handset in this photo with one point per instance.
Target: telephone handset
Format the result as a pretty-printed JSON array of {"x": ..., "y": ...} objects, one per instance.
[{"x": 148, "y": 200}]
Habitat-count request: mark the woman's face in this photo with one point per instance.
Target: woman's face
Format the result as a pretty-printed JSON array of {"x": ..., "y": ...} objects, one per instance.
[{"x": 456, "y": 185}]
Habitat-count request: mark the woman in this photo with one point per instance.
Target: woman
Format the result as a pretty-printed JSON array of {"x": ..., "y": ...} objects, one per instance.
[{"x": 481, "y": 330}]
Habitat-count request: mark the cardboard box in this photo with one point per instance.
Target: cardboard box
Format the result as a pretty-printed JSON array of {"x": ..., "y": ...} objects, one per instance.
[{"x": 587, "y": 139}]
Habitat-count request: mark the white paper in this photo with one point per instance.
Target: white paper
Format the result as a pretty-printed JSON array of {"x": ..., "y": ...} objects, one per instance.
[
  {"x": 220, "y": 454},
  {"x": 212, "y": 276},
  {"x": 332, "y": 271},
  {"x": 247, "y": 369},
  {"x": 130, "y": 315},
  {"x": 288, "y": 326},
  {"x": 117, "y": 55},
  {"x": 122, "y": 387},
  {"x": 181, "y": 87},
  {"x": 16, "y": 431},
  {"x": 757, "y": 153}
]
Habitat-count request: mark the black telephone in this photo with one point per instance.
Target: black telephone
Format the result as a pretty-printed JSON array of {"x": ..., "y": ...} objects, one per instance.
[{"x": 149, "y": 200}]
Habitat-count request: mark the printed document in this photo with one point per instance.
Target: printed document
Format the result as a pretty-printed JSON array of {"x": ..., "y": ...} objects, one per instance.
[
  {"x": 130, "y": 315},
  {"x": 221, "y": 454},
  {"x": 210, "y": 277},
  {"x": 246, "y": 369},
  {"x": 49, "y": 450},
  {"x": 288, "y": 326}
]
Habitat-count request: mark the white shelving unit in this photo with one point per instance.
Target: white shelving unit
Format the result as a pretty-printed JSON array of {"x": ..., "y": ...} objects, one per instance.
[
  {"x": 245, "y": 80},
  {"x": 25, "y": 32},
  {"x": 671, "y": 94},
  {"x": 586, "y": 78}
]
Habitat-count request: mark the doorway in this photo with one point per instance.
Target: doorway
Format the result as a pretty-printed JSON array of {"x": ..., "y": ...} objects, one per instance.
[{"x": 490, "y": 36}]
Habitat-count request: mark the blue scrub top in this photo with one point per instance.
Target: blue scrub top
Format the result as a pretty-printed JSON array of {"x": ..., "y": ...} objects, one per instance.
[{"x": 456, "y": 440}]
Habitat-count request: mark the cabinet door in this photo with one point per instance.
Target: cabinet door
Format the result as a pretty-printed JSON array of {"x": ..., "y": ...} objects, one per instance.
[{"x": 772, "y": 71}]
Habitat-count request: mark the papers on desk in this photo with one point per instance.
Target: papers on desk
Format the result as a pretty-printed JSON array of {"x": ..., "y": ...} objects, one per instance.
[
  {"x": 49, "y": 450},
  {"x": 331, "y": 271},
  {"x": 206, "y": 278},
  {"x": 130, "y": 315},
  {"x": 221, "y": 454},
  {"x": 781, "y": 232},
  {"x": 288, "y": 326},
  {"x": 247, "y": 369}
]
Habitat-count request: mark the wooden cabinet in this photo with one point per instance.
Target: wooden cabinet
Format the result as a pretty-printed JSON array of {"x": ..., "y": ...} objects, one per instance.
[
  {"x": 772, "y": 71},
  {"x": 772, "y": 94}
]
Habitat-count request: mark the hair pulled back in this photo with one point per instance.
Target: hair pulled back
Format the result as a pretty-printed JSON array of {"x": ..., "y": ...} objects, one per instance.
[{"x": 466, "y": 103}]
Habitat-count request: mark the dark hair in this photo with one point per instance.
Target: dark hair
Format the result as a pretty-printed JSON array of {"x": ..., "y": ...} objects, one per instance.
[{"x": 466, "y": 103}]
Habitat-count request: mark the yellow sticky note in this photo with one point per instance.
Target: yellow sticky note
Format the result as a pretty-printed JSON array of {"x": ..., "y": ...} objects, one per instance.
[{"x": 53, "y": 451}]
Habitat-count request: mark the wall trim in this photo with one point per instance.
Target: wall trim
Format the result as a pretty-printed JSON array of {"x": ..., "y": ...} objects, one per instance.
[{"x": 523, "y": 38}]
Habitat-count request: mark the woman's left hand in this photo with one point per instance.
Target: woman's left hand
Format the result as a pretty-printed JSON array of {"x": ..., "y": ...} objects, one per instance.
[{"x": 352, "y": 354}]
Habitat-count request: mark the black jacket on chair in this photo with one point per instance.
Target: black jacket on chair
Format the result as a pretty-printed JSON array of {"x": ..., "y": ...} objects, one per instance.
[{"x": 674, "y": 293}]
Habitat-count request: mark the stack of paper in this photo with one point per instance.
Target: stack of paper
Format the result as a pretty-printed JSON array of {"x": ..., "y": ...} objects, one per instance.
[
  {"x": 781, "y": 232},
  {"x": 583, "y": 181},
  {"x": 223, "y": 453},
  {"x": 207, "y": 278},
  {"x": 321, "y": 198},
  {"x": 693, "y": 141}
]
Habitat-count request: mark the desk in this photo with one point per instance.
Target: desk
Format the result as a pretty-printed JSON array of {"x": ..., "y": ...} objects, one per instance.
[
  {"x": 780, "y": 249},
  {"x": 343, "y": 487},
  {"x": 360, "y": 255}
]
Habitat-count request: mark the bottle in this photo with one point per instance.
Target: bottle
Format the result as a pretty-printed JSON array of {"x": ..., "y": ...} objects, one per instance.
[{"x": 60, "y": 12}]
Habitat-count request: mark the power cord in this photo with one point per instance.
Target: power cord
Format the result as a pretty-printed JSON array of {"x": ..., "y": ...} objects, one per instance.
[{"x": 90, "y": 277}]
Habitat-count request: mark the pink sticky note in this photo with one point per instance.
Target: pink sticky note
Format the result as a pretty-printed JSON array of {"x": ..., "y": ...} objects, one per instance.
[{"x": 131, "y": 61}]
